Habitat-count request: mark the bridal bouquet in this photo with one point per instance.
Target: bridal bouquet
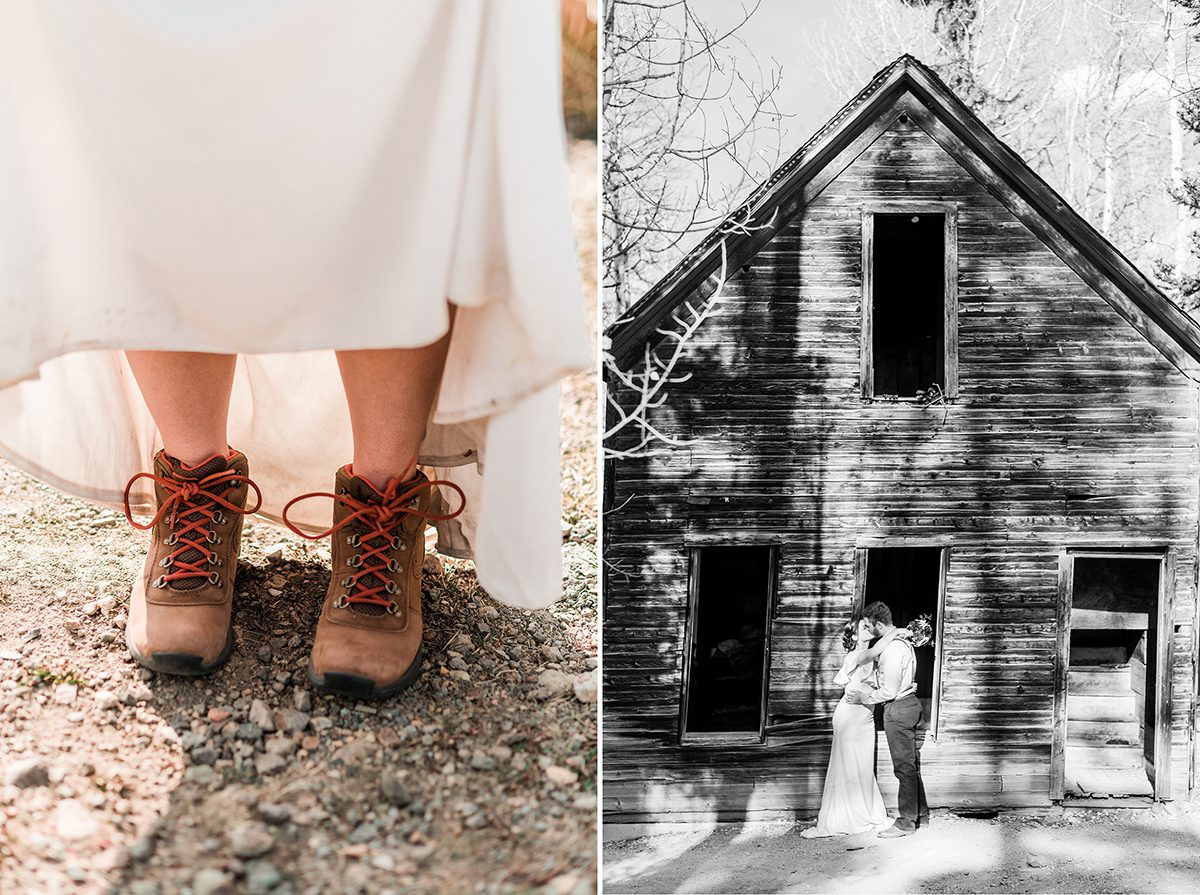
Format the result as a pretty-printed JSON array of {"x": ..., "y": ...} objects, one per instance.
[{"x": 921, "y": 629}]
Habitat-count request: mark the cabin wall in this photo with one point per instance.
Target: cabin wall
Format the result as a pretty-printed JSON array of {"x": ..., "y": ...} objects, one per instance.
[{"x": 1070, "y": 430}]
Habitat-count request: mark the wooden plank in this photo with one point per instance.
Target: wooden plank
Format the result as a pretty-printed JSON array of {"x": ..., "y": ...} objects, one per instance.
[
  {"x": 1164, "y": 648},
  {"x": 1062, "y": 660},
  {"x": 1100, "y": 708},
  {"x": 1099, "y": 619}
]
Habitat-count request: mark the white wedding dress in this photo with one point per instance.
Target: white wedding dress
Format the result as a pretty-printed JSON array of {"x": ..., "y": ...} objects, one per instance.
[
  {"x": 851, "y": 801},
  {"x": 281, "y": 179}
]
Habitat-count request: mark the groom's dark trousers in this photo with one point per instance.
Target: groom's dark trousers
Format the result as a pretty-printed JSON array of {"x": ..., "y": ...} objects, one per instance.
[{"x": 900, "y": 720}]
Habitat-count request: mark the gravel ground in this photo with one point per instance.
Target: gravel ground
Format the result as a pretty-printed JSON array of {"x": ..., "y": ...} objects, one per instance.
[
  {"x": 481, "y": 778},
  {"x": 1081, "y": 851}
]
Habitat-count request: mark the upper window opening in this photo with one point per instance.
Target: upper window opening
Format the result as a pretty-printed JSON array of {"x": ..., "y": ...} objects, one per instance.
[{"x": 909, "y": 304}]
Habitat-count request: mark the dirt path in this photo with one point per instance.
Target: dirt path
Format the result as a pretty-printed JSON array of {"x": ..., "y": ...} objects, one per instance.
[
  {"x": 1099, "y": 851},
  {"x": 479, "y": 779}
]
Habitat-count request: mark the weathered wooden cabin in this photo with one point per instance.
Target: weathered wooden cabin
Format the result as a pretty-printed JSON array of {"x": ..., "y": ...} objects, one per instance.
[{"x": 925, "y": 380}]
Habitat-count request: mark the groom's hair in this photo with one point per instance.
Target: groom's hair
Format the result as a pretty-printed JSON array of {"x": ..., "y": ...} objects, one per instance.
[{"x": 877, "y": 612}]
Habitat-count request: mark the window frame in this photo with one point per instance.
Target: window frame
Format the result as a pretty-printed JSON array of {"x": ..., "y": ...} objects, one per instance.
[
  {"x": 860, "y": 593},
  {"x": 949, "y": 299},
  {"x": 718, "y": 737}
]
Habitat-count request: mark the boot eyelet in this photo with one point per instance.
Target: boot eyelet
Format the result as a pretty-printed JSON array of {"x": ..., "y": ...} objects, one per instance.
[
  {"x": 397, "y": 544},
  {"x": 214, "y": 579},
  {"x": 348, "y": 581},
  {"x": 214, "y": 559},
  {"x": 390, "y": 587},
  {"x": 160, "y": 581},
  {"x": 219, "y": 517},
  {"x": 393, "y": 566},
  {"x": 414, "y": 503},
  {"x": 211, "y": 536},
  {"x": 355, "y": 561},
  {"x": 171, "y": 540},
  {"x": 353, "y": 540},
  {"x": 393, "y": 607},
  {"x": 340, "y": 602},
  {"x": 166, "y": 561}
]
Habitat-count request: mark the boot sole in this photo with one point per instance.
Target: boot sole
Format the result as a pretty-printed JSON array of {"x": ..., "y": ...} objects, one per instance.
[
  {"x": 357, "y": 686},
  {"x": 181, "y": 664}
]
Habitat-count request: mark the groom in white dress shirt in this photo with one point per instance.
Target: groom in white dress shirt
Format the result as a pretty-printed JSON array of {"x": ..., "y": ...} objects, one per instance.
[{"x": 897, "y": 692}]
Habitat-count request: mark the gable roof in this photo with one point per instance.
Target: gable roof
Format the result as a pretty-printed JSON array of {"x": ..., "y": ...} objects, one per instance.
[{"x": 908, "y": 87}]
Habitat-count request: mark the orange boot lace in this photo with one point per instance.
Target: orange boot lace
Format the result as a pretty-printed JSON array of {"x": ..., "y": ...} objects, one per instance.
[
  {"x": 371, "y": 586},
  {"x": 195, "y": 506}
]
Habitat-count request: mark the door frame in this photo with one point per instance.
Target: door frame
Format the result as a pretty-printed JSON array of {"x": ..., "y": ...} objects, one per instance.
[
  {"x": 861, "y": 550},
  {"x": 1165, "y": 633}
]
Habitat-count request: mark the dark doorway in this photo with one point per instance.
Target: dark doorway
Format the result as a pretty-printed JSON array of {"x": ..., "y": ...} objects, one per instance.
[
  {"x": 725, "y": 674},
  {"x": 908, "y": 303},
  {"x": 1112, "y": 686},
  {"x": 909, "y": 581}
]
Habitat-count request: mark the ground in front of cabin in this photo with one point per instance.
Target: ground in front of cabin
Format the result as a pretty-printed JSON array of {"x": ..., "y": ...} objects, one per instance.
[{"x": 1082, "y": 851}]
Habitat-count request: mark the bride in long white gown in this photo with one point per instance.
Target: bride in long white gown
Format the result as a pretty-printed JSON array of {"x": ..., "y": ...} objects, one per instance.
[{"x": 851, "y": 802}]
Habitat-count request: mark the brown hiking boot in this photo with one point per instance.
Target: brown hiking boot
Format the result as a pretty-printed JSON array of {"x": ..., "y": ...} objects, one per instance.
[
  {"x": 369, "y": 636},
  {"x": 181, "y": 608}
]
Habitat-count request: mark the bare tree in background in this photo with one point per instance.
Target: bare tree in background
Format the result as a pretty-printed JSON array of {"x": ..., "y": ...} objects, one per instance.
[
  {"x": 680, "y": 100},
  {"x": 1179, "y": 273},
  {"x": 1082, "y": 89}
]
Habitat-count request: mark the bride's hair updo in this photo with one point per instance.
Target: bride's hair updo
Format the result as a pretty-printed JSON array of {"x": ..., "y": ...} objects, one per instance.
[{"x": 850, "y": 635}]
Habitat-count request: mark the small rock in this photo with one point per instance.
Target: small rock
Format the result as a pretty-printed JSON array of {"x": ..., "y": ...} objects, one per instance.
[
  {"x": 302, "y": 699},
  {"x": 249, "y": 732},
  {"x": 274, "y": 813},
  {"x": 72, "y": 820},
  {"x": 310, "y": 743},
  {"x": 64, "y": 694},
  {"x": 211, "y": 881},
  {"x": 115, "y": 857},
  {"x": 142, "y": 693},
  {"x": 142, "y": 848},
  {"x": 550, "y": 652},
  {"x": 280, "y": 745},
  {"x": 320, "y": 723},
  {"x": 31, "y": 635},
  {"x": 144, "y": 887},
  {"x": 75, "y": 717},
  {"x": 260, "y": 714},
  {"x": 353, "y": 753},
  {"x": 553, "y": 682},
  {"x": 586, "y": 687},
  {"x": 262, "y": 877},
  {"x": 10, "y": 655},
  {"x": 27, "y": 772},
  {"x": 1036, "y": 861},
  {"x": 200, "y": 774},
  {"x": 394, "y": 791},
  {"x": 481, "y": 761},
  {"x": 563, "y": 884},
  {"x": 90, "y": 609},
  {"x": 274, "y": 553},
  {"x": 291, "y": 720},
  {"x": 561, "y": 776},
  {"x": 106, "y": 700},
  {"x": 264, "y": 651},
  {"x": 252, "y": 840},
  {"x": 269, "y": 763},
  {"x": 205, "y": 755},
  {"x": 387, "y": 737},
  {"x": 217, "y": 715}
]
